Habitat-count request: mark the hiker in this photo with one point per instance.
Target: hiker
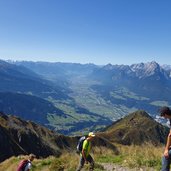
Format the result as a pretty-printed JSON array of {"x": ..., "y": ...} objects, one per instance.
[
  {"x": 26, "y": 165},
  {"x": 85, "y": 156},
  {"x": 166, "y": 159}
]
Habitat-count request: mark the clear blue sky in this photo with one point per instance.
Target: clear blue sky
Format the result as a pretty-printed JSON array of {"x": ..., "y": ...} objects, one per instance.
[{"x": 86, "y": 31}]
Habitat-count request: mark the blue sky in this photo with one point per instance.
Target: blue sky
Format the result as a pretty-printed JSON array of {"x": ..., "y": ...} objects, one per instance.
[{"x": 86, "y": 31}]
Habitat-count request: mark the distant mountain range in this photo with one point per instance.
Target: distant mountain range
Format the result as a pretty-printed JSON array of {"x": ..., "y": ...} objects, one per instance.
[
  {"x": 140, "y": 86},
  {"x": 72, "y": 98},
  {"x": 23, "y": 80}
]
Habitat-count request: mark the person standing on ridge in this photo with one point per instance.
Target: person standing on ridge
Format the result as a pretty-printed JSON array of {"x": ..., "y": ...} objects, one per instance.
[
  {"x": 85, "y": 156},
  {"x": 166, "y": 159}
]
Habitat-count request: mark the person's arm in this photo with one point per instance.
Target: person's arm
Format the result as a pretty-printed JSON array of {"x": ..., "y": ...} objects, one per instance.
[
  {"x": 168, "y": 144},
  {"x": 84, "y": 156},
  {"x": 28, "y": 167}
]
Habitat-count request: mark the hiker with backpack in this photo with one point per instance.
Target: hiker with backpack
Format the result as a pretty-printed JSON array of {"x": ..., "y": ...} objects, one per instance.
[
  {"x": 85, "y": 148},
  {"x": 26, "y": 165},
  {"x": 166, "y": 159}
]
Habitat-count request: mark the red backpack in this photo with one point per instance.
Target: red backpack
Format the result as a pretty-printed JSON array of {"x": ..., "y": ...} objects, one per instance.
[{"x": 22, "y": 165}]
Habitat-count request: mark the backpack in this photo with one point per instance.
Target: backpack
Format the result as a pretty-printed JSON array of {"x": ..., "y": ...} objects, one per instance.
[
  {"x": 22, "y": 165},
  {"x": 80, "y": 144}
]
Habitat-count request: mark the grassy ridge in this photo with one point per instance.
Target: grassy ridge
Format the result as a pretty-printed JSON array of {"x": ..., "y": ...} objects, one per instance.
[{"x": 146, "y": 156}]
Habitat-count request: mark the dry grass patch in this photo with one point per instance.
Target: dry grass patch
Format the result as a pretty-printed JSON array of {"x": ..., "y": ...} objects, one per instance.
[{"x": 146, "y": 155}]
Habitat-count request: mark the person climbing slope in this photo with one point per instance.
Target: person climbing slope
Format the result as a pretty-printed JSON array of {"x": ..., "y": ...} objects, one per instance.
[{"x": 85, "y": 156}]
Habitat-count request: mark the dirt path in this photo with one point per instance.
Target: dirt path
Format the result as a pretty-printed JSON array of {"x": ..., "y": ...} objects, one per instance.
[{"x": 115, "y": 167}]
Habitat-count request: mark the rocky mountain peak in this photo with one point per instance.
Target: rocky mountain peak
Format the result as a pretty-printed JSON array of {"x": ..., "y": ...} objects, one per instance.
[
  {"x": 144, "y": 70},
  {"x": 108, "y": 66}
]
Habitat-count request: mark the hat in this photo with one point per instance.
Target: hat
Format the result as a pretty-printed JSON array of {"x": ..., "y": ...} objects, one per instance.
[
  {"x": 91, "y": 134},
  {"x": 165, "y": 111}
]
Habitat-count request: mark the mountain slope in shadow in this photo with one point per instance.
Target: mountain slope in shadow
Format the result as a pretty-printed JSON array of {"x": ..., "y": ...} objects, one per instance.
[{"x": 24, "y": 137}]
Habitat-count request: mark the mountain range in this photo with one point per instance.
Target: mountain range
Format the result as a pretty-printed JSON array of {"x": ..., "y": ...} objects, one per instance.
[{"x": 71, "y": 98}]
